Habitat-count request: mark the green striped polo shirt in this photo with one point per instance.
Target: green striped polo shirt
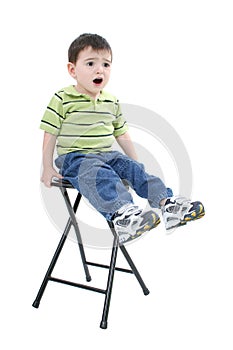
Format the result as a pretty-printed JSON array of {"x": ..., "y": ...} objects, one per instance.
[{"x": 82, "y": 124}]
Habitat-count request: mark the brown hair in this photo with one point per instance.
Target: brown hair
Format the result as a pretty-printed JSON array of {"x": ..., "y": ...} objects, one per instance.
[{"x": 97, "y": 42}]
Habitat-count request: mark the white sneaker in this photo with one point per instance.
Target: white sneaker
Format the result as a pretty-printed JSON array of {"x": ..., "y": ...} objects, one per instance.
[
  {"x": 130, "y": 223},
  {"x": 177, "y": 211}
]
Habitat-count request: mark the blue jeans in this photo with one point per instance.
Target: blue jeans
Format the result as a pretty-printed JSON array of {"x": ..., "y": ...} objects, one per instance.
[{"x": 98, "y": 178}]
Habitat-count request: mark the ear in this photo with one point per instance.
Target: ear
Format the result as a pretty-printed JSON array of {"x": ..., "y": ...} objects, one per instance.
[{"x": 71, "y": 69}]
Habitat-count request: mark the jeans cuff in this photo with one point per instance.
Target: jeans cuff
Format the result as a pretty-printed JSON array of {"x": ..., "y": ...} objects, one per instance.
[
  {"x": 115, "y": 208},
  {"x": 157, "y": 200}
]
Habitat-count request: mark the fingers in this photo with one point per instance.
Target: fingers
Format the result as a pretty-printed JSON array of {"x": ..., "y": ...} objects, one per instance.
[
  {"x": 59, "y": 176},
  {"x": 47, "y": 180}
]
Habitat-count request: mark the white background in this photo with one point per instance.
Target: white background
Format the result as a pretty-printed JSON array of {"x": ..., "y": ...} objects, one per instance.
[{"x": 173, "y": 57}]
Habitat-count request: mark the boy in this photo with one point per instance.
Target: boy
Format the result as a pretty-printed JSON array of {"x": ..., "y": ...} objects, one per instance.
[{"x": 84, "y": 120}]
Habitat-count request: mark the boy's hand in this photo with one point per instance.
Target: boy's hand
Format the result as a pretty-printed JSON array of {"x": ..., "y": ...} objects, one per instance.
[{"x": 47, "y": 176}]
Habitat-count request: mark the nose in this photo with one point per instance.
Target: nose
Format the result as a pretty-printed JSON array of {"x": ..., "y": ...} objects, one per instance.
[{"x": 99, "y": 69}]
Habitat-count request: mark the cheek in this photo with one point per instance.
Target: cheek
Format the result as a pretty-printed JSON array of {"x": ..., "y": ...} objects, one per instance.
[
  {"x": 108, "y": 74},
  {"x": 80, "y": 75}
]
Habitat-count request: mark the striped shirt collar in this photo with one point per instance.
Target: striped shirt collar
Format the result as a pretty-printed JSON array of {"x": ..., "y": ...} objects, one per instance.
[{"x": 71, "y": 91}]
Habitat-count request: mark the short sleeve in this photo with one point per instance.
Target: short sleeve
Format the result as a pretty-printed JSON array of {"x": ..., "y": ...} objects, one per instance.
[
  {"x": 53, "y": 116},
  {"x": 120, "y": 124}
]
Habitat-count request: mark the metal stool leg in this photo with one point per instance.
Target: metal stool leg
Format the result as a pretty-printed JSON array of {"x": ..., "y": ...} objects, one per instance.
[
  {"x": 134, "y": 269},
  {"x": 62, "y": 241},
  {"x": 130, "y": 261},
  {"x": 108, "y": 292},
  {"x": 112, "y": 268},
  {"x": 36, "y": 303},
  {"x": 72, "y": 211}
]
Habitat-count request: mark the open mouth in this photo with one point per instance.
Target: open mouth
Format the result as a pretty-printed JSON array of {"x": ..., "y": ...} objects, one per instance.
[{"x": 98, "y": 81}]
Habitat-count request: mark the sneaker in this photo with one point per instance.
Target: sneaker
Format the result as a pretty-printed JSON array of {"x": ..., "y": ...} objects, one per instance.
[
  {"x": 130, "y": 223},
  {"x": 177, "y": 211}
]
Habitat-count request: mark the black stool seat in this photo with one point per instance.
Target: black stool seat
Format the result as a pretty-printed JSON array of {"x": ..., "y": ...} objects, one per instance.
[
  {"x": 72, "y": 209},
  {"x": 61, "y": 183}
]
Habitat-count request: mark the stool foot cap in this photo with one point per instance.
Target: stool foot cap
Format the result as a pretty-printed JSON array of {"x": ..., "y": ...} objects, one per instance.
[
  {"x": 103, "y": 324},
  {"x": 146, "y": 291},
  {"x": 36, "y": 304}
]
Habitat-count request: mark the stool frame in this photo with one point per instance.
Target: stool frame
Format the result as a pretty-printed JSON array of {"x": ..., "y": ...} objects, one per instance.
[{"x": 72, "y": 209}]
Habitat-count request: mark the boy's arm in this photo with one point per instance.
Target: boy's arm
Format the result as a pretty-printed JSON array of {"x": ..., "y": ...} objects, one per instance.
[
  {"x": 126, "y": 144},
  {"x": 48, "y": 149}
]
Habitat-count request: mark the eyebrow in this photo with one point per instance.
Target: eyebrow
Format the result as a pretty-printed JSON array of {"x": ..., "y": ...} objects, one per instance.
[{"x": 94, "y": 58}]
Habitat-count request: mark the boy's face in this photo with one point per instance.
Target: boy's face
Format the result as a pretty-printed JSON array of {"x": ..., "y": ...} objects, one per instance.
[{"x": 91, "y": 71}]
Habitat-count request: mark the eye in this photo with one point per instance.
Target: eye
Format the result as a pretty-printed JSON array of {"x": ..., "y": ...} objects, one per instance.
[
  {"x": 106, "y": 65},
  {"x": 90, "y": 64}
]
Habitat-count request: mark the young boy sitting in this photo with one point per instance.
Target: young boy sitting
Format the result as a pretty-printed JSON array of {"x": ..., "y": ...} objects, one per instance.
[{"x": 83, "y": 121}]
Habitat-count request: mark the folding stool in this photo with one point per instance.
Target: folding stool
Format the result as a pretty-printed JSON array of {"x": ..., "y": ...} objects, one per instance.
[{"x": 72, "y": 209}]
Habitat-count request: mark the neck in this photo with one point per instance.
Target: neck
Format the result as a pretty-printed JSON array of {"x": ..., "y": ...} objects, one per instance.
[{"x": 82, "y": 91}]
